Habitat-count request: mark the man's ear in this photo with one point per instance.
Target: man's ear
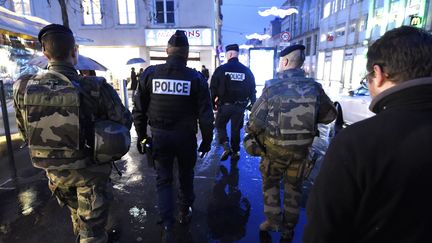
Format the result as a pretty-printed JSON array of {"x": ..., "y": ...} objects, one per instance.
[
  {"x": 285, "y": 62},
  {"x": 380, "y": 77},
  {"x": 75, "y": 52}
]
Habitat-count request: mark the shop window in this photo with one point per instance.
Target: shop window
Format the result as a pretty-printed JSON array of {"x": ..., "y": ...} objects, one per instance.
[
  {"x": 308, "y": 46},
  {"x": 340, "y": 32},
  {"x": 164, "y": 10},
  {"x": 352, "y": 27},
  {"x": 22, "y": 7},
  {"x": 126, "y": 12},
  {"x": 326, "y": 10},
  {"x": 92, "y": 12},
  {"x": 315, "y": 46}
]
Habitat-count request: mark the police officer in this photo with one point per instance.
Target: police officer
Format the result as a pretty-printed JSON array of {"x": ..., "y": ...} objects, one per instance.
[
  {"x": 232, "y": 88},
  {"x": 285, "y": 119},
  {"x": 171, "y": 98},
  {"x": 75, "y": 177}
]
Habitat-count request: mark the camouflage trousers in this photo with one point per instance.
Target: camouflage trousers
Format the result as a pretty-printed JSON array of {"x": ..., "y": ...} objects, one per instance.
[
  {"x": 290, "y": 171},
  {"x": 87, "y": 193}
]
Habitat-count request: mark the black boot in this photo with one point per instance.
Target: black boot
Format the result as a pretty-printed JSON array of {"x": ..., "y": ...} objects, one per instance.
[
  {"x": 227, "y": 151},
  {"x": 185, "y": 215}
]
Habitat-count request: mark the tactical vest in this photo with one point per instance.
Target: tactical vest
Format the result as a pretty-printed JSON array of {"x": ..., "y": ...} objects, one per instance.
[
  {"x": 292, "y": 114},
  {"x": 173, "y": 102}
]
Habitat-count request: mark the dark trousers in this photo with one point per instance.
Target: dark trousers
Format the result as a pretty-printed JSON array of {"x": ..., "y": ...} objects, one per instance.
[
  {"x": 168, "y": 145},
  {"x": 235, "y": 113}
]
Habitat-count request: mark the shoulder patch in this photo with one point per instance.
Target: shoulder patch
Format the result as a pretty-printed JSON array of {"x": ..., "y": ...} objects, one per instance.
[
  {"x": 236, "y": 76},
  {"x": 171, "y": 87}
]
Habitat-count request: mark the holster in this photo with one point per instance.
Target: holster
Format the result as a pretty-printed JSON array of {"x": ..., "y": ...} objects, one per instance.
[{"x": 149, "y": 152}]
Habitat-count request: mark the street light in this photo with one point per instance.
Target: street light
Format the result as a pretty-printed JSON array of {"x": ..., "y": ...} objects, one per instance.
[{"x": 278, "y": 12}]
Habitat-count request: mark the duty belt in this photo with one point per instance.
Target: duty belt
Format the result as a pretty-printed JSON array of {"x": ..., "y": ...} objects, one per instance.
[{"x": 235, "y": 103}]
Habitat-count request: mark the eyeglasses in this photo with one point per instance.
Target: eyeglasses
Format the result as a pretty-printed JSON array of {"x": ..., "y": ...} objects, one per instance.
[{"x": 364, "y": 80}]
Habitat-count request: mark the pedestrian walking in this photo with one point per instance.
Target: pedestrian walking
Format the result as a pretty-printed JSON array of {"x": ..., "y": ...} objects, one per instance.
[
  {"x": 373, "y": 183},
  {"x": 64, "y": 119},
  {"x": 205, "y": 72},
  {"x": 232, "y": 89},
  {"x": 171, "y": 98},
  {"x": 284, "y": 122},
  {"x": 134, "y": 81}
]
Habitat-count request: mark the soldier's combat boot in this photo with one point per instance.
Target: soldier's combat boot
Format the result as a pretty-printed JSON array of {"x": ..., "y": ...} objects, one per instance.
[
  {"x": 271, "y": 226},
  {"x": 185, "y": 215},
  {"x": 287, "y": 237},
  {"x": 235, "y": 156},
  {"x": 227, "y": 151}
]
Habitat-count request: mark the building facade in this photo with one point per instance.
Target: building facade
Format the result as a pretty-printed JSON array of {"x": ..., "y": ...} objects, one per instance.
[
  {"x": 337, "y": 34},
  {"x": 119, "y": 30}
]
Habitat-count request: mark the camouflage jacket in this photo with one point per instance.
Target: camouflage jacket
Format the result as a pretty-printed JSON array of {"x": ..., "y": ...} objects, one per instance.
[
  {"x": 97, "y": 103},
  {"x": 287, "y": 113}
]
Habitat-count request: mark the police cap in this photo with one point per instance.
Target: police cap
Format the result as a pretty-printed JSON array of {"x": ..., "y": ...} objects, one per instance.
[
  {"x": 290, "y": 49},
  {"x": 53, "y": 28},
  {"x": 178, "y": 39},
  {"x": 232, "y": 47}
]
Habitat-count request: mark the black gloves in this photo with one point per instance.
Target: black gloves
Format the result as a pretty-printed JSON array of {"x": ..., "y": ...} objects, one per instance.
[
  {"x": 207, "y": 137},
  {"x": 141, "y": 144},
  {"x": 204, "y": 146}
]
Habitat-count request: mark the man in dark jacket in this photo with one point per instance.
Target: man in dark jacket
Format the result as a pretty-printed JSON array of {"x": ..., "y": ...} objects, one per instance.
[
  {"x": 375, "y": 179},
  {"x": 232, "y": 88},
  {"x": 171, "y": 98},
  {"x": 75, "y": 177}
]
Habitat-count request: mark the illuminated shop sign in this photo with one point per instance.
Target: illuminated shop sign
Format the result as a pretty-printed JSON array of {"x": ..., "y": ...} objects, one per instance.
[{"x": 196, "y": 37}]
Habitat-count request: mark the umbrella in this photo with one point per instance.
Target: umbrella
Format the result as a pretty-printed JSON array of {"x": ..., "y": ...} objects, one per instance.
[
  {"x": 135, "y": 61},
  {"x": 84, "y": 63}
]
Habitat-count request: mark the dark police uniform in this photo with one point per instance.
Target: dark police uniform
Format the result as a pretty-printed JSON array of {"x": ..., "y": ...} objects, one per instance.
[
  {"x": 232, "y": 88},
  {"x": 171, "y": 98}
]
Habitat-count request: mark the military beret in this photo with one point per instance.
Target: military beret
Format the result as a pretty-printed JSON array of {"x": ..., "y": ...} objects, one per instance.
[
  {"x": 178, "y": 39},
  {"x": 290, "y": 49},
  {"x": 53, "y": 28},
  {"x": 232, "y": 47}
]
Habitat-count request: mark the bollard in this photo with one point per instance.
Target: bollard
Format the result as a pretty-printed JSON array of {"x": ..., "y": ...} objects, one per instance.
[{"x": 7, "y": 131}]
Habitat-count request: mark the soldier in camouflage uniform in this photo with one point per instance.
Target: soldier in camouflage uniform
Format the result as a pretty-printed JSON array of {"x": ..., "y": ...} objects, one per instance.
[
  {"x": 284, "y": 120},
  {"x": 76, "y": 178}
]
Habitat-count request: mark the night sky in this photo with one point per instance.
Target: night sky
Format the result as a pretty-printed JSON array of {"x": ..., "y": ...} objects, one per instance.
[{"x": 241, "y": 18}]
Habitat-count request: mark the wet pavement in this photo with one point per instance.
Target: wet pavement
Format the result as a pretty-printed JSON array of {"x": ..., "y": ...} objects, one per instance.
[{"x": 228, "y": 206}]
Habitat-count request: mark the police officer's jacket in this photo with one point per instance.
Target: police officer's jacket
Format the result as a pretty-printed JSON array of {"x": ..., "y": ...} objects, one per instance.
[
  {"x": 233, "y": 82},
  {"x": 172, "y": 96}
]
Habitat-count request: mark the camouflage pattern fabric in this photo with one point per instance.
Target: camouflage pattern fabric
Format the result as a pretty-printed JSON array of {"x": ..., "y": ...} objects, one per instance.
[
  {"x": 87, "y": 193},
  {"x": 285, "y": 117},
  {"x": 81, "y": 184},
  {"x": 290, "y": 170}
]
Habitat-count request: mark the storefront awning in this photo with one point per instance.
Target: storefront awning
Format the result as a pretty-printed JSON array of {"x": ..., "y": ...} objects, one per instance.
[{"x": 26, "y": 27}]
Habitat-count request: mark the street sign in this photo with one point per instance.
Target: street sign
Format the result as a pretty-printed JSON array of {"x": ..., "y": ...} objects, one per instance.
[{"x": 285, "y": 36}]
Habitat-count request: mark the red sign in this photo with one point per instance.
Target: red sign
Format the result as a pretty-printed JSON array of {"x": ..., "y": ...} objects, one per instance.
[{"x": 285, "y": 36}]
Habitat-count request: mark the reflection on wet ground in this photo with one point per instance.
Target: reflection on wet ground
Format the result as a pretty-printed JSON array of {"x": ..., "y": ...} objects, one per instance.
[{"x": 228, "y": 206}]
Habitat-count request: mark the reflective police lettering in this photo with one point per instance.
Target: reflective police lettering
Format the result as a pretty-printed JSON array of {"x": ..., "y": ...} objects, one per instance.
[
  {"x": 236, "y": 76},
  {"x": 171, "y": 87}
]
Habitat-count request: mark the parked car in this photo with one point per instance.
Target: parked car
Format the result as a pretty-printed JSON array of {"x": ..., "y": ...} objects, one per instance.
[{"x": 352, "y": 107}]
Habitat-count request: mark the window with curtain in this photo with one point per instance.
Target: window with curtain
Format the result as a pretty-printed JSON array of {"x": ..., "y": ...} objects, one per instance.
[
  {"x": 126, "y": 12},
  {"x": 22, "y": 7},
  {"x": 92, "y": 12},
  {"x": 164, "y": 11}
]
